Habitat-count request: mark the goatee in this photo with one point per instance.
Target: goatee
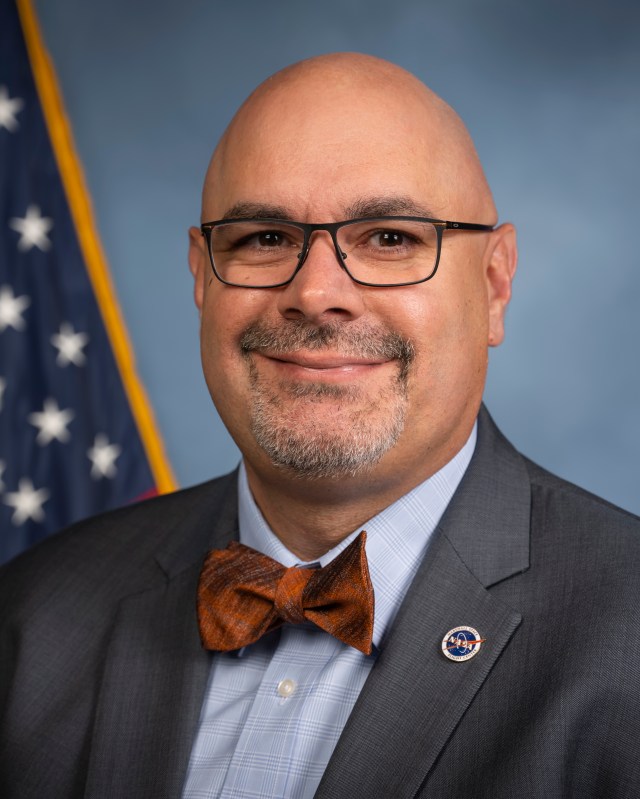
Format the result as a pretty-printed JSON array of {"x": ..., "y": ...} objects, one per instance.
[{"x": 361, "y": 428}]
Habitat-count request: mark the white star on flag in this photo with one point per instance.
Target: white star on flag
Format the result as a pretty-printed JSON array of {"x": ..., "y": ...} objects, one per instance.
[
  {"x": 3, "y": 466},
  {"x": 33, "y": 229},
  {"x": 51, "y": 423},
  {"x": 27, "y": 502},
  {"x": 11, "y": 309},
  {"x": 103, "y": 456},
  {"x": 3, "y": 386},
  {"x": 8, "y": 110},
  {"x": 69, "y": 345}
]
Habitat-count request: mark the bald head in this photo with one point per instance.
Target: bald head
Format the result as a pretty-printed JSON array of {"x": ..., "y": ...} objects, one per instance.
[{"x": 347, "y": 112}]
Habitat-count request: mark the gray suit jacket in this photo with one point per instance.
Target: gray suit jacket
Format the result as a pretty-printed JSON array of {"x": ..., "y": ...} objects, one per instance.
[{"x": 102, "y": 675}]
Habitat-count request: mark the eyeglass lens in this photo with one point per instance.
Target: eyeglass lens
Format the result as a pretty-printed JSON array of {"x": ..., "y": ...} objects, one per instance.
[{"x": 378, "y": 251}]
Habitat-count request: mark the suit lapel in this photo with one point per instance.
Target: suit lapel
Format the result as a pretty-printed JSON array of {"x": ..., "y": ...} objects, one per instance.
[
  {"x": 415, "y": 697},
  {"x": 156, "y": 671}
]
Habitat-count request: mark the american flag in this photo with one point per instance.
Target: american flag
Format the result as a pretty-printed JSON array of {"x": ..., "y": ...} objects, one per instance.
[{"x": 76, "y": 431}]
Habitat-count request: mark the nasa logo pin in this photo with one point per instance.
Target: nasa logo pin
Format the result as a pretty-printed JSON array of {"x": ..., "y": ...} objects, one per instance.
[{"x": 462, "y": 643}]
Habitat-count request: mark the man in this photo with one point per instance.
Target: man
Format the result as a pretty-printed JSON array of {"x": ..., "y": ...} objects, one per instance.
[{"x": 348, "y": 361}]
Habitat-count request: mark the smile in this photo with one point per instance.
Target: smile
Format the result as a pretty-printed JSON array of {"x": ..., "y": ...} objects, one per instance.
[{"x": 323, "y": 366}]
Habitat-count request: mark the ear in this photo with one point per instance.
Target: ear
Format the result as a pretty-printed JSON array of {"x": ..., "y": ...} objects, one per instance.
[
  {"x": 197, "y": 264},
  {"x": 501, "y": 265}
]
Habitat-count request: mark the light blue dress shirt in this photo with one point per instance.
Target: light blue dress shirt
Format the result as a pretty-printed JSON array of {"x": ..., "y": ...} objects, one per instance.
[{"x": 274, "y": 711}]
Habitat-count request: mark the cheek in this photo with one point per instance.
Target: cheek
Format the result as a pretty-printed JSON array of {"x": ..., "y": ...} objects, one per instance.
[
  {"x": 215, "y": 337},
  {"x": 449, "y": 332},
  {"x": 225, "y": 315}
]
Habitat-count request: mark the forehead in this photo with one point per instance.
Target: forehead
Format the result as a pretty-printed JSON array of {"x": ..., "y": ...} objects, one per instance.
[{"x": 321, "y": 157}]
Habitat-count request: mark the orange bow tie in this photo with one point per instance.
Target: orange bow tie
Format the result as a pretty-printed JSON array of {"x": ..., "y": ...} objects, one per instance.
[{"x": 243, "y": 594}]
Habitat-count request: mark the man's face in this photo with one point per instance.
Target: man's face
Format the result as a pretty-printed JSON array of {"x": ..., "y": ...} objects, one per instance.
[{"x": 325, "y": 377}]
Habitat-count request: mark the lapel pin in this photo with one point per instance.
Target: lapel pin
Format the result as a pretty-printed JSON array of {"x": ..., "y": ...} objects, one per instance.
[{"x": 462, "y": 643}]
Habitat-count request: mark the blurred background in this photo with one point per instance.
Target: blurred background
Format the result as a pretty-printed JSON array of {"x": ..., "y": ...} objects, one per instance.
[{"x": 551, "y": 94}]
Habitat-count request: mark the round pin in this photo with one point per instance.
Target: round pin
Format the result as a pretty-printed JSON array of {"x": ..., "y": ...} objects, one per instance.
[{"x": 462, "y": 643}]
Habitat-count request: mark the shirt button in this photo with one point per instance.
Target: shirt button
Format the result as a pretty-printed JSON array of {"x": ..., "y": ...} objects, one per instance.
[{"x": 286, "y": 688}]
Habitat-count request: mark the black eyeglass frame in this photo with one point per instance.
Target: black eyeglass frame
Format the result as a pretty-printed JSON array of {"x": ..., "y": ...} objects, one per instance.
[{"x": 332, "y": 228}]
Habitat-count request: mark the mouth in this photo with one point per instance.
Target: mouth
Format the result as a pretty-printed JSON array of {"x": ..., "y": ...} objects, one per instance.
[
  {"x": 322, "y": 365},
  {"x": 329, "y": 352}
]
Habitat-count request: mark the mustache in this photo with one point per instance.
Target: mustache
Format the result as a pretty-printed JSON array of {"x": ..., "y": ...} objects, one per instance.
[{"x": 365, "y": 341}]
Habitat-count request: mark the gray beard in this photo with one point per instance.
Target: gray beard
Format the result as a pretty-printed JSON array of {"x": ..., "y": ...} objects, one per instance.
[{"x": 316, "y": 450}]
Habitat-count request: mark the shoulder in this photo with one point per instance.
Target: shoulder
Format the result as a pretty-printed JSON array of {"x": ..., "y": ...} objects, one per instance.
[
  {"x": 115, "y": 552},
  {"x": 563, "y": 512},
  {"x": 584, "y": 560},
  {"x": 570, "y": 551},
  {"x": 578, "y": 515}
]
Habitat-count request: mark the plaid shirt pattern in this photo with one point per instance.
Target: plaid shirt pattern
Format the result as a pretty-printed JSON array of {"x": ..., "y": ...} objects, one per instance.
[{"x": 274, "y": 711}]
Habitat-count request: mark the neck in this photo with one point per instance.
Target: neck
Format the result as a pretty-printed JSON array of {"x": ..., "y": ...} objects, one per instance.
[{"x": 311, "y": 517}]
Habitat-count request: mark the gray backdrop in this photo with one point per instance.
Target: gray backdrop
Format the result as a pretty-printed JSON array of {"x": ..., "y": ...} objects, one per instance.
[{"x": 550, "y": 92}]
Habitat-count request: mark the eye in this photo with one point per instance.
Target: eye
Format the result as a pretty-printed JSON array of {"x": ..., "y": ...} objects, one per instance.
[
  {"x": 389, "y": 238},
  {"x": 244, "y": 236},
  {"x": 260, "y": 238},
  {"x": 269, "y": 238}
]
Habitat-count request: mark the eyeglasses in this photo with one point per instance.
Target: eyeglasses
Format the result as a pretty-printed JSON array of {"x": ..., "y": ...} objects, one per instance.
[{"x": 384, "y": 252}]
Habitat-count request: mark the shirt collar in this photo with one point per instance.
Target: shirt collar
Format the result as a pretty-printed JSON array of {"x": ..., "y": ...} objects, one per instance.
[{"x": 397, "y": 537}]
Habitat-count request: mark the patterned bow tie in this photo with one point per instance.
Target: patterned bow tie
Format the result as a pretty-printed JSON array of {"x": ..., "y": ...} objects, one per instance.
[{"x": 243, "y": 594}]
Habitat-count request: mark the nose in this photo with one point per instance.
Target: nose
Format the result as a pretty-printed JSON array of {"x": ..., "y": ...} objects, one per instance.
[{"x": 321, "y": 291}]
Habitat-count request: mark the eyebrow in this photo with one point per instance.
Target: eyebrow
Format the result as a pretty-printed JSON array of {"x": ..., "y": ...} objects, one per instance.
[
  {"x": 394, "y": 205},
  {"x": 244, "y": 210},
  {"x": 387, "y": 206}
]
